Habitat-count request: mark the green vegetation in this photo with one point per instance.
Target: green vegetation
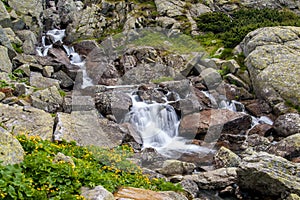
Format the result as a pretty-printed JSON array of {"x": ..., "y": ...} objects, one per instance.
[
  {"x": 231, "y": 29},
  {"x": 4, "y": 84},
  {"x": 17, "y": 48},
  {"x": 62, "y": 93},
  {"x": 42, "y": 176}
]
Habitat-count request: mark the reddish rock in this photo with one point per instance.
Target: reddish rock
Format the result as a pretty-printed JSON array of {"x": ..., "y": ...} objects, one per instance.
[
  {"x": 257, "y": 107},
  {"x": 261, "y": 129}
]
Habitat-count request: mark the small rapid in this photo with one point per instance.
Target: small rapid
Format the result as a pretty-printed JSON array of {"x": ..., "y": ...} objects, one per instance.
[{"x": 56, "y": 35}]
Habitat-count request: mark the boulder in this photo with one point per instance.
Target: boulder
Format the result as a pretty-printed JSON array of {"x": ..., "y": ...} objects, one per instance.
[
  {"x": 288, "y": 147},
  {"x": 216, "y": 179},
  {"x": 176, "y": 167},
  {"x": 138, "y": 193},
  {"x": 287, "y": 124},
  {"x": 226, "y": 158},
  {"x": 29, "y": 41},
  {"x": 262, "y": 130},
  {"x": 99, "y": 193},
  {"x": 48, "y": 100},
  {"x": 199, "y": 9},
  {"x": 268, "y": 175},
  {"x": 64, "y": 80},
  {"x": 5, "y": 63},
  {"x": 214, "y": 123},
  {"x": 20, "y": 120},
  {"x": 116, "y": 103},
  {"x": 212, "y": 78},
  {"x": 37, "y": 80},
  {"x": 89, "y": 130},
  {"x": 170, "y": 8},
  {"x": 272, "y": 58},
  {"x": 5, "y": 41},
  {"x": 11, "y": 151}
]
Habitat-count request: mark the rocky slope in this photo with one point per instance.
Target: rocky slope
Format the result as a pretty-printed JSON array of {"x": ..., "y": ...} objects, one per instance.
[{"x": 43, "y": 95}]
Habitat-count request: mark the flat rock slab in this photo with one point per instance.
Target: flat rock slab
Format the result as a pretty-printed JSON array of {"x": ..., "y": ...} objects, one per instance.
[
  {"x": 87, "y": 128},
  {"x": 20, "y": 120}
]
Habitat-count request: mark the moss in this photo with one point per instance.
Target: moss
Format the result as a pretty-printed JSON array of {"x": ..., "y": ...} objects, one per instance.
[{"x": 162, "y": 79}]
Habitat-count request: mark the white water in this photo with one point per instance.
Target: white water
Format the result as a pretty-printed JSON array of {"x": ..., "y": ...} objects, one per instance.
[
  {"x": 56, "y": 35},
  {"x": 158, "y": 124}
]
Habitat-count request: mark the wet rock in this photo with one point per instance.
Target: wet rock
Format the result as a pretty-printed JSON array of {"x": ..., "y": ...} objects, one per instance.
[
  {"x": 11, "y": 151},
  {"x": 216, "y": 179},
  {"x": 99, "y": 192},
  {"x": 138, "y": 193},
  {"x": 29, "y": 120},
  {"x": 226, "y": 158},
  {"x": 257, "y": 107},
  {"x": 269, "y": 175},
  {"x": 48, "y": 100},
  {"x": 262, "y": 130},
  {"x": 37, "y": 80},
  {"x": 213, "y": 123},
  {"x": 287, "y": 124},
  {"x": 175, "y": 167},
  {"x": 89, "y": 130},
  {"x": 5, "y": 63},
  {"x": 288, "y": 147}
]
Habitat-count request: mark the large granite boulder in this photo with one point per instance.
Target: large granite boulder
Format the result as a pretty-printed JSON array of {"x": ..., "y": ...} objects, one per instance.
[
  {"x": 86, "y": 128},
  {"x": 268, "y": 175},
  {"x": 272, "y": 58},
  {"x": 11, "y": 151},
  {"x": 20, "y": 120}
]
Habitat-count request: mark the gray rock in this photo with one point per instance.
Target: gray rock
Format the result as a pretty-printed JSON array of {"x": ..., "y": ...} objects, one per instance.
[
  {"x": 288, "y": 148},
  {"x": 293, "y": 197},
  {"x": 11, "y": 151},
  {"x": 4, "y": 16},
  {"x": 232, "y": 65},
  {"x": 12, "y": 36},
  {"x": 211, "y": 77},
  {"x": 37, "y": 80},
  {"x": 48, "y": 100},
  {"x": 48, "y": 71},
  {"x": 236, "y": 81},
  {"x": 62, "y": 157},
  {"x": 5, "y": 64},
  {"x": 216, "y": 179},
  {"x": 99, "y": 193},
  {"x": 26, "y": 7},
  {"x": 198, "y": 9},
  {"x": 89, "y": 130},
  {"x": 190, "y": 186},
  {"x": 226, "y": 158},
  {"x": 64, "y": 79},
  {"x": 4, "y": 41},
  {"x": 272, "y": 58},
  {"x": 170, "y": 8},
  {"x": 116, "y": 103},
  {"x": 29, "y": 41},
  {"x": 20, "y": 120},
  {"x": 287, "y": 124},
  {"x": 176, "y": 167},
  {"x": 25, "y": 69},
  {"x": 269, "y": 175}
]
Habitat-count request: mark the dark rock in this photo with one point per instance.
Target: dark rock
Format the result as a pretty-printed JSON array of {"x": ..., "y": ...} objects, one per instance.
[
  {"x": 257, "y": 142},
  {"x": 262, "y": 130},
  {"x": 288, "y": 148},
  {"x": 237, "y": 93},
  {"x": 287, "y": 124},
  {"x": 64, "y": 80},
  {"x": 257, "y": 107}
]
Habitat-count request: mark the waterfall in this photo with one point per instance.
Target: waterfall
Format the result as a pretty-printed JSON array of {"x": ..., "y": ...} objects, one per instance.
[
  {"x": 158, "y": 124},
  {"x": 56, "y": 35}
]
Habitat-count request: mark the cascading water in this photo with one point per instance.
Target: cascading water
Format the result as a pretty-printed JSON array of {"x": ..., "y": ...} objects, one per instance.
[
  {"x": 158, "y": 124},
  {"x": 56, "y": 35}
]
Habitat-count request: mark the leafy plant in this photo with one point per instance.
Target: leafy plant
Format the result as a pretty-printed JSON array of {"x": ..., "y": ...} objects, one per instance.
[{"x": 41, "y": 176}]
